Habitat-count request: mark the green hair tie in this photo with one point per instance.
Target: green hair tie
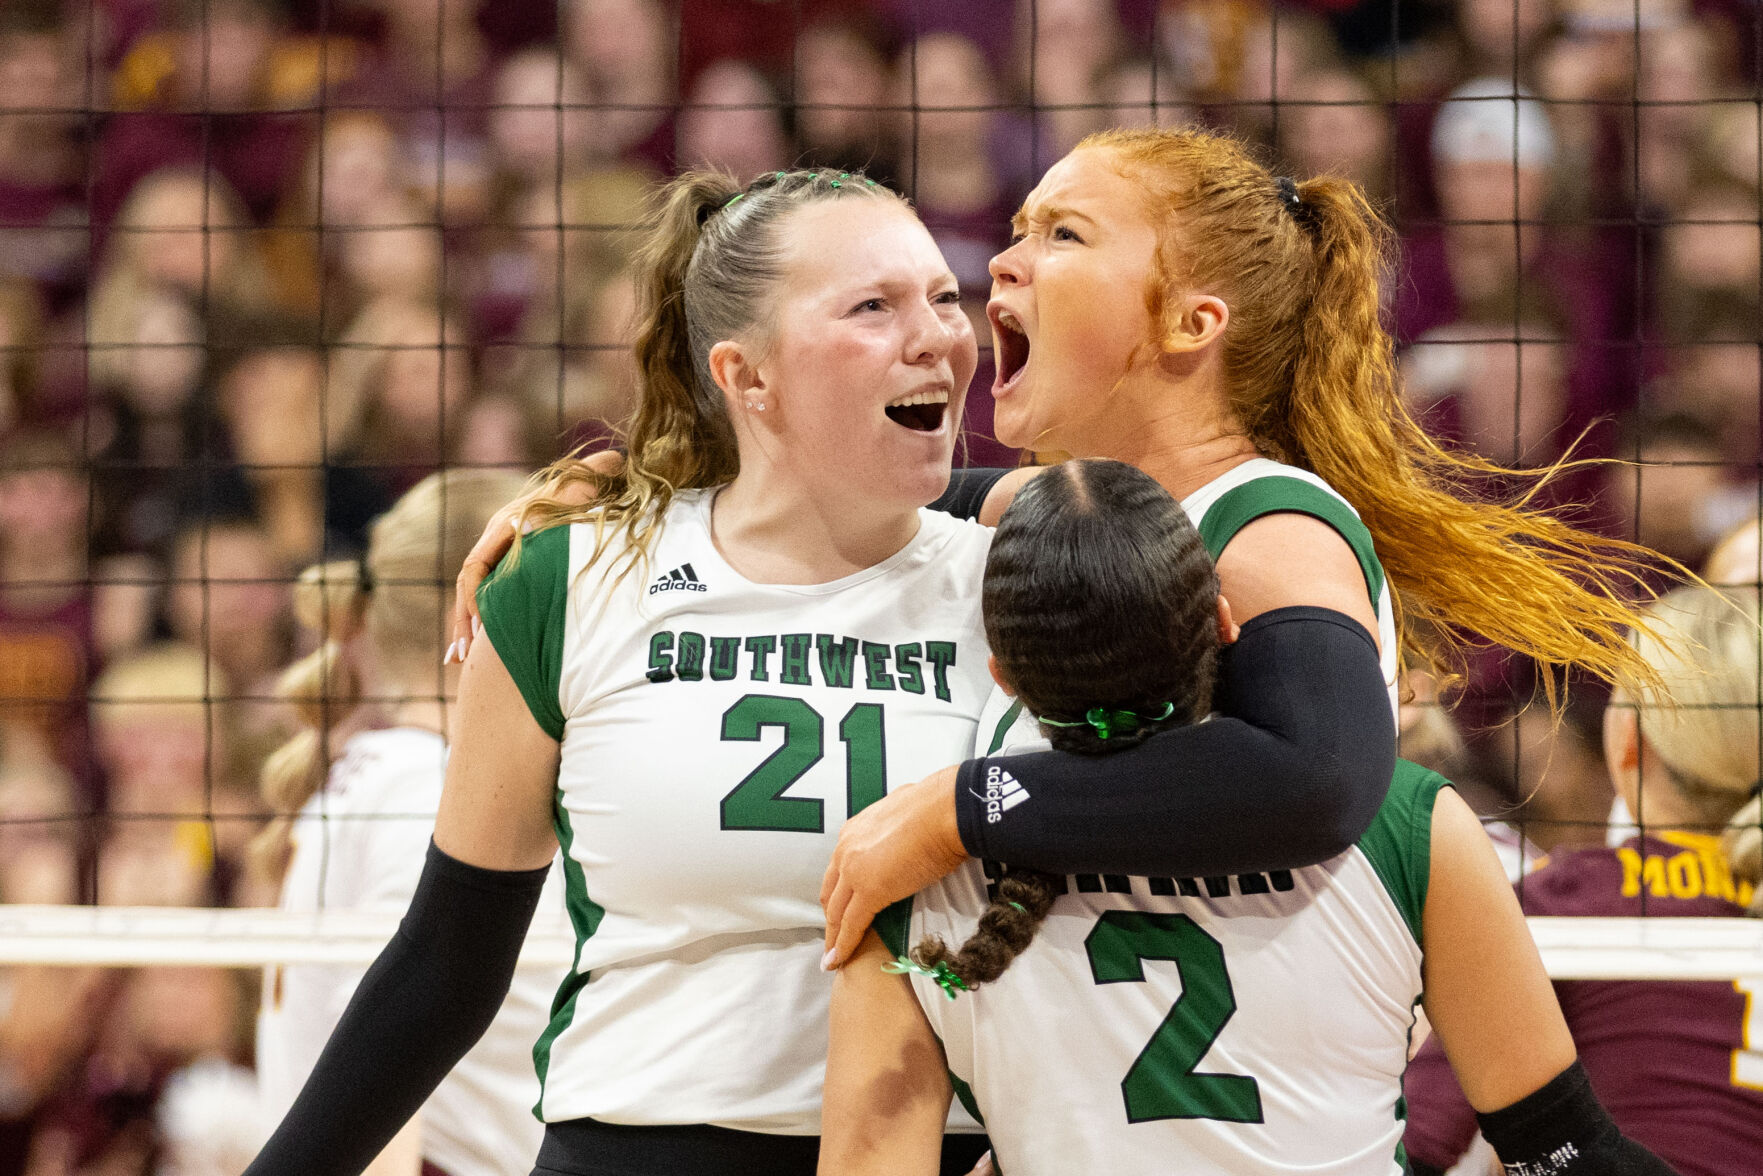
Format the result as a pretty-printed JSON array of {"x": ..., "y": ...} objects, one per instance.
[
  {"x": 835, "y": 184},
  {"x": 1017, "y": 906},
  {"x": 1109, "y": 722},
  {"x": 732, "y": 200},
  {"x": 943, "y": 975}
]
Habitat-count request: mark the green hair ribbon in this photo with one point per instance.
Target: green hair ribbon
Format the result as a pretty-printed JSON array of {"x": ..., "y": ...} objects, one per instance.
[
  {"x": 1109, "y": 722},
  {"x": 943, "y": 975},
  {"x": 732, "y": 200}
]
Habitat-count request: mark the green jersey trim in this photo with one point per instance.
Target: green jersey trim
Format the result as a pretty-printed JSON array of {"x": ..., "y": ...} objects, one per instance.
[
  {"x": 1236, "y": 509},
  {"x": 1004, "y": 725},
  {"x": 523, "y": 612},
  {"x": 1399, "y": 842},
  {"x": 584, "y": 916}
]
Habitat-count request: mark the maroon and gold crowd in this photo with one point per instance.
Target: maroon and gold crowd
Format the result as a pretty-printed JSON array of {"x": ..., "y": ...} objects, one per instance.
[{"x": 264, "y": 264}]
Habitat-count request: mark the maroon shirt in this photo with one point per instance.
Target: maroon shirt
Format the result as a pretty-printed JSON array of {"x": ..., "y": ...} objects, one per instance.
[{"x": 1662, "y": 1055}]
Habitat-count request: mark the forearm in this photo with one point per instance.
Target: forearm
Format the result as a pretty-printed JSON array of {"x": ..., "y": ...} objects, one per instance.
[
  {"x": 1290, "y": 774},
  {"x": 427, "y": 999},
  {"x": 887, "y": 1089}
]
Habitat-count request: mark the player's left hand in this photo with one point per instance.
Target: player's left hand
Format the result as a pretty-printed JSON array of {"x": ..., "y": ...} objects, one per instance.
[{"x": 889, "y": 851}]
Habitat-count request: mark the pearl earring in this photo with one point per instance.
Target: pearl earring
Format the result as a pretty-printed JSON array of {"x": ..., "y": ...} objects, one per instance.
[{"x": 755, "y": 406}]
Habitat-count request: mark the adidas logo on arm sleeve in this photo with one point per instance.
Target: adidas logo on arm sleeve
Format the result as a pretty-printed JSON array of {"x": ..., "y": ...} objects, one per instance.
[
  {"x": 1003, "y": 793},
  {"x": 681, "y": 579}
]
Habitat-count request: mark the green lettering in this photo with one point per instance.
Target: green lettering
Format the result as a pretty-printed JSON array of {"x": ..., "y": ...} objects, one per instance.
[
  {"x": 761, "y": 648},
  {"x": 875, "y": 667},
  {"x": 940, "y": 655},
  {"x": 691, "y": 657},
  {"x": 836, "y": 659},
  {"x": 795, "y": 671},
  {"x": 725, "y": 658},
  {"x": 660, "y": 665},
  {"x": 906, "y": 665}
]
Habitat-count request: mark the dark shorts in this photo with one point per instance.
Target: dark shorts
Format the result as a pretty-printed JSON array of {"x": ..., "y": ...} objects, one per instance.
[{"x": 585, "y": 1147}]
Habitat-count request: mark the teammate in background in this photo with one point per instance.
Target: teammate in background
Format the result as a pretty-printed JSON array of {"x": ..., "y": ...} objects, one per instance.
[
  {"x": 690, "y": 687},
  {"x": 1212, "y": 1026},
  {"x": 1680, "y": 1063},
  {"x": 1173, "y": 304},
  {"x": 357, "y": 791}
]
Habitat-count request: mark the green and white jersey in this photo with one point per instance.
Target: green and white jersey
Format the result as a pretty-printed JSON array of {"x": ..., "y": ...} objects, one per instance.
[
  {"x": 1209, "y": 1026},
  {"x": 1220, "y": 509},
  {"x": 714, "y": 735}
]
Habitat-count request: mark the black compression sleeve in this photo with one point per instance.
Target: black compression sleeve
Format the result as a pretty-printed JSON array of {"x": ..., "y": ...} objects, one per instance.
[
  {"x": 967, "y": 492},
  {"x": 1289, "y": 774},
  {"x": 427, "y": 999},
  {"x": 1563, "y": 1130}
]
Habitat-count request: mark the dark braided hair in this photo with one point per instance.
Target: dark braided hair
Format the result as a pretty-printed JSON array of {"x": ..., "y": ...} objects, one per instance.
[{"x": 1098, "y": 594}]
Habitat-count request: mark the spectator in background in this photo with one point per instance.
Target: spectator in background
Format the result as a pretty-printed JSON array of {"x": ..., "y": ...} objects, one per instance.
[
  {"x": 1337, "y": 125},
  {"x": 430, "y": 74},
  {"x": 842, "y": 83},
  {"x": 1143, "y": 92},
  {"x": 1683, "y": 497},
  {"x": 215, "y": 90},
  {"x": 964, "y": 159},
  {"x": 1062, "y": 48},
  {"x": 398, "y": 387},
  {"x": 732, "y": 120},
  {"x": 161, "y": 725},
  {"x": 46, "y": 602},
  {"x": 42, "y": 215},
  {"x": 541, "y": 135},
  {"x": 146, "y": 368},
  {"x": 269, "y": 402},
  {"x": 626, "y": 49},
  {"x": 1492, "y": 388},
  {"x": 1672, "y": 1060},
  {"x": 228, "y": 594},
  {"x": 189, "y": 236}
]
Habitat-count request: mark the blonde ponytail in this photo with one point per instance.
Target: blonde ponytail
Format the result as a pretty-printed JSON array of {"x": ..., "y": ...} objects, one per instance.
[
  {"x": 324, "y": 692},
  {"x": 413, "y": 555}
]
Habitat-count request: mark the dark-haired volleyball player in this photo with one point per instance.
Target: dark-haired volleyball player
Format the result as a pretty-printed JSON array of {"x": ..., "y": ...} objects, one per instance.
[{"x": 1214, "y": 1026}]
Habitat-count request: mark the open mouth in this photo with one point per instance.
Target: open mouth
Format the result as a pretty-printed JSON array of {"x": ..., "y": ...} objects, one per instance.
[
  {"x": 1011, "y": 351},
  {"x": 922, "y": 412}
]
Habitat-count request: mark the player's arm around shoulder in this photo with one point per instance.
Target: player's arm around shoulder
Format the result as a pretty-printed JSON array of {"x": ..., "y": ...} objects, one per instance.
[
  {"x": 887, "y": 1087},
  {"x": 1487, "y": 994},
  {"x": 1286, "y": 560},
  {"x": 501, "y": 774}
]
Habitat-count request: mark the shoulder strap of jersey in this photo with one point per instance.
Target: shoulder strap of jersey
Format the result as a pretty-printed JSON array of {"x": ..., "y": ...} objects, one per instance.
[
  {"x": 523, "y": 610},
  {"x": 1280, "y": 494},
  {"x": 1399, "y": 842}
]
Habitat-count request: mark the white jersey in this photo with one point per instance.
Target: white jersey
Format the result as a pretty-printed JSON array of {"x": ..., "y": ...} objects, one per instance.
[
  {"x": 1274, "y": 1037},
  {"x": 359, "y": 844},
  {"x": 1209, "y": 1026},
  {"x": 715, "y": 733}
]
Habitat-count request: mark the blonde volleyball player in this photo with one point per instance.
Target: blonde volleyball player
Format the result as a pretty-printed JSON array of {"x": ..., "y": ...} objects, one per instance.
[
  {"x": 691, "y": 687},
  {"x": 1255, "y": 1023},
  {"x": 359, "y": 786}
]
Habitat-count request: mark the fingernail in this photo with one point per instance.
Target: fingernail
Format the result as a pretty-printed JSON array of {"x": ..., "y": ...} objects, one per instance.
[
  {"x": 456, "y": 651},
  {"x": 477, "y": 626},
  {"x": 827, "y": 960}
]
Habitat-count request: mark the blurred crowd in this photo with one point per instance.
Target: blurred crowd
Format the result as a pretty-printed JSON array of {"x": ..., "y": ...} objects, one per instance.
[{"x": 264, "y": 264}]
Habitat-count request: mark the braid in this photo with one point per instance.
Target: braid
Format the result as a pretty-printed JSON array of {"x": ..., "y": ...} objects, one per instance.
[
  {"x": 1005, "y": 930},
  {"x": 1099, "y": 599}
]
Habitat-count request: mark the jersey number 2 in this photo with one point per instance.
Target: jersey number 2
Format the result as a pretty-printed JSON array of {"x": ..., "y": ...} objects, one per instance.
[
  {"x": 758, "y": 802},
  {"x": 1162, "y": 1083}
]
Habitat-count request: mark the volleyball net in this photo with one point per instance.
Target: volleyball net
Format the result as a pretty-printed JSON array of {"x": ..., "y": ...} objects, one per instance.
[{"x": 263, "y": 265}]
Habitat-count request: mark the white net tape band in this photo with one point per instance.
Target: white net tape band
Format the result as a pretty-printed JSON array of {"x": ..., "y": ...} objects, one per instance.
[{"x": 1572, "y": 948}]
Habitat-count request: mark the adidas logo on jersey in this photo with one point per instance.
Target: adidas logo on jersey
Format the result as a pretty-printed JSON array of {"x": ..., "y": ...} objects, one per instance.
[
  {"x": 1003, "y": 793},
  {"x": 681, "y": 579}
]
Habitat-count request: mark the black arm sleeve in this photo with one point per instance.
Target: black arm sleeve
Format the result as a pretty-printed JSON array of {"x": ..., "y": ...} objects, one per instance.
[
  {"x": 1563, "y": 1130},
  {"x": 967, "y": 492},
  {"x": 427, "y": 999},
  {"x": 1289, "y": 774}
]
